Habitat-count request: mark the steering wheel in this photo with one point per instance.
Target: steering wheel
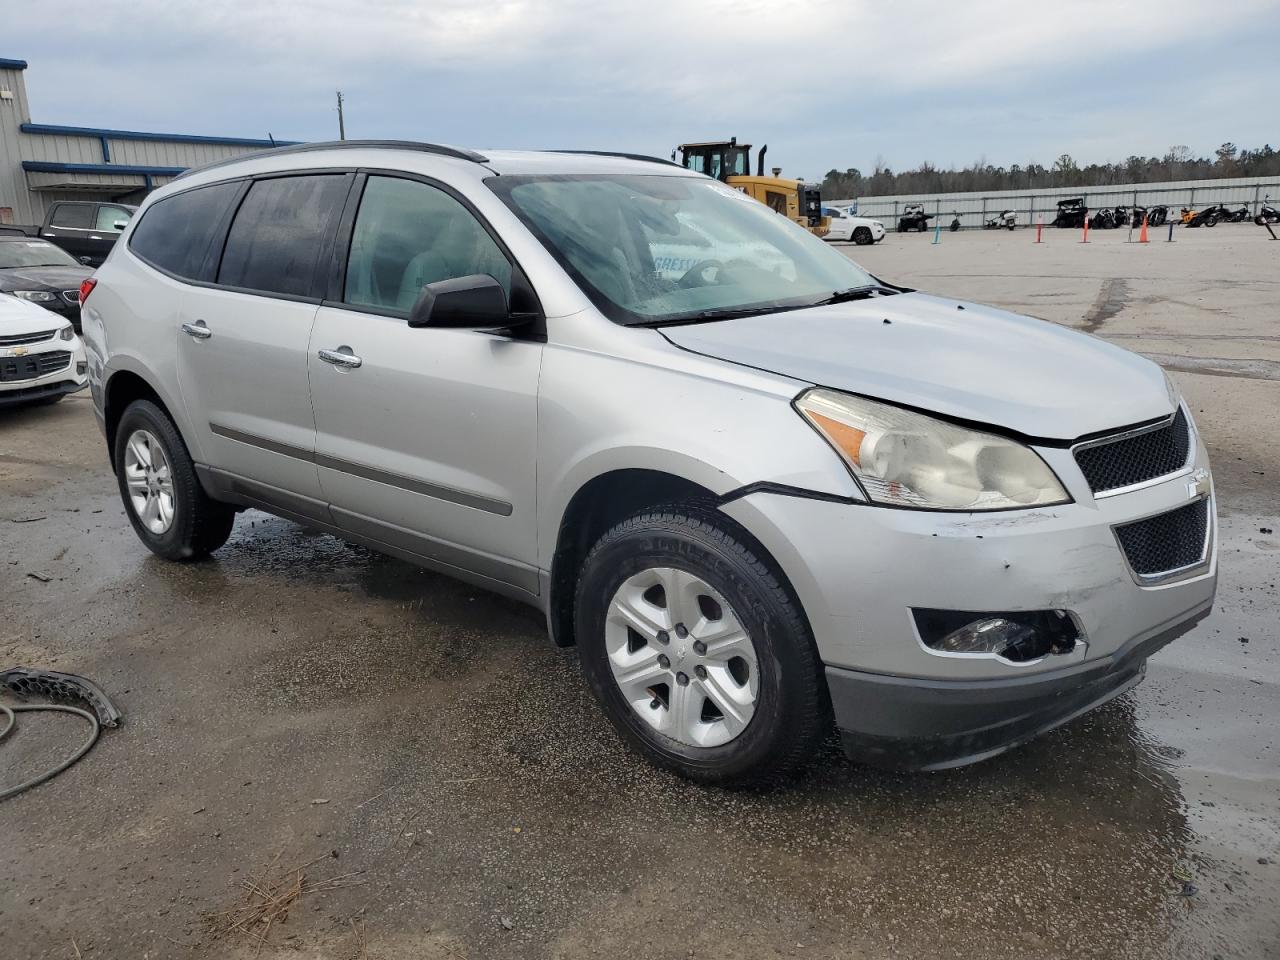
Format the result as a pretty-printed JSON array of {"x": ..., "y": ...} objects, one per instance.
[{"x": 693, "y": 277}]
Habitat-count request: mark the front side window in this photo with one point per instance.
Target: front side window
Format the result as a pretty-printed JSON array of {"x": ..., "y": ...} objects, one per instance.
[
  {"x": 408, "y": 234},
  {"x": 279, "y": 233},
  {"x": 108, "y": 217},
  {"x": 175, "y": 233},
  {"x": 661, "y": 249},
  {"x": 33, "y": 253},
  {"x": 72, "y": 216}
]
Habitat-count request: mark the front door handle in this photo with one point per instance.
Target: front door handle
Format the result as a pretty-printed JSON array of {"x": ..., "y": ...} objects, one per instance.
[
  {"x": 342, "y": 357},
  {"x": 199, "y": 330}
]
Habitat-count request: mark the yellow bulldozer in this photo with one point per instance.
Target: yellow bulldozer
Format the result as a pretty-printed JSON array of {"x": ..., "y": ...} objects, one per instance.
[{"x": 730, "y": 162}]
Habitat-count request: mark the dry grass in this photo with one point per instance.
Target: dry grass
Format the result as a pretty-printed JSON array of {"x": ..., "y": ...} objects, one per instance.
[{"x": 269, "y": 896}]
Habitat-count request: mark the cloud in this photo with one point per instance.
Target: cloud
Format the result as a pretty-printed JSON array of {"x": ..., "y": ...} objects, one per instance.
[{"x": 829, "y": 83}]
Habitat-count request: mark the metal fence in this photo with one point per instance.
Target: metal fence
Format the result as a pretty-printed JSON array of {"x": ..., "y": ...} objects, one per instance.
[{"x": 974, "y": 209}]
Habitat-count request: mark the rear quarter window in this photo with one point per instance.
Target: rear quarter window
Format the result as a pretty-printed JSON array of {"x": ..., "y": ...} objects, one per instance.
[
  {"x": 279, "y": 233},
  {"x": 174, "y": 234}
]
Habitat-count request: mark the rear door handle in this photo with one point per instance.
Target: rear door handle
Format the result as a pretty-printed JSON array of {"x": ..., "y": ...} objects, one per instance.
[
  {"x": 199, "y": 330},
  {"x": 342, "y": 357},
  {"x": 92, "y": 237}
]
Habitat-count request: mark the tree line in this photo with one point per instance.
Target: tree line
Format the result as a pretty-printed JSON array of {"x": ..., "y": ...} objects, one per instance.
[{"x": 1177, "y": 164}]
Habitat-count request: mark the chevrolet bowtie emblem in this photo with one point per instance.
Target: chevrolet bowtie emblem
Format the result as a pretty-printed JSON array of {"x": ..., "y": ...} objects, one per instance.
[
  {"x": 1199, "y": 485},
  {"x": 19, "y": 351}
]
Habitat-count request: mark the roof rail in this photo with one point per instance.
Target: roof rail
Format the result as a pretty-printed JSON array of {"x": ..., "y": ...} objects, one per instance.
[
  {"x": 458, "y": 153},
  {"x": 623, "y": 156}
]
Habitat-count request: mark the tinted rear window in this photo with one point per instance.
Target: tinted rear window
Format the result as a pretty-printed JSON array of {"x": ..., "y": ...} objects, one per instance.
[
  {"x": 78, "y": 216},
  {"x": 174, "y": 234},
  {"x": 279, "y": 233}
]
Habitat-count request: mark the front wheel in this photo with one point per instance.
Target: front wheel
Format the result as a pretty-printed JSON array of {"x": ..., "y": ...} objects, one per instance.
[
  {"x": 169, "y": 510},
  {"x": 696, "y": 651},
  {"x": 862, "y": 236}
]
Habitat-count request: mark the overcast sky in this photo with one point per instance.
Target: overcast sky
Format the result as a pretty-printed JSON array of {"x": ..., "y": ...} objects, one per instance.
[{"x": 825, "y": 84}]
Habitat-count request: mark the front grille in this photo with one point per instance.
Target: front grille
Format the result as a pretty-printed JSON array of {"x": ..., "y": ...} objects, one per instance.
[
  {"x": 1167, "y": 541},
  {"x": 18, "y": 339},
  {"x": 72, "y": 296},
  {"x": 1136, "y": 457},
  {"x": 37, "y": 365}
]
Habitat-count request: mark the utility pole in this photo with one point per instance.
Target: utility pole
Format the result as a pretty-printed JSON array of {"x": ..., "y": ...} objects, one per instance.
[{"x": 342, "y": 128}]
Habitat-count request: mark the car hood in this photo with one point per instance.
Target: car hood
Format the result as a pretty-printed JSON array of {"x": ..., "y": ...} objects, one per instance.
[
  {"x": 43, "y": 278},
  {"x": 954, "y": 358},
  {"x": 17, "y": 317}
]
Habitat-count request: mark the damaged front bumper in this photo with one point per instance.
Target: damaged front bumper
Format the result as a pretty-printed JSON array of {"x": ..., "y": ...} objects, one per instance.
[{"x": 865, "y": 573}]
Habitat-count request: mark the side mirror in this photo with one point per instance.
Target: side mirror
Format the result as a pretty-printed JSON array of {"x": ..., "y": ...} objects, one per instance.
[
  {"x": 477, "y": 302},
  {"x": 87, "y": 261},
  {"x": 119, "y": 225}
]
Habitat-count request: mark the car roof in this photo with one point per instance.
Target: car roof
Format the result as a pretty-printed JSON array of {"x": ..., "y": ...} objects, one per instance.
[{"x": 414, "y": 157}]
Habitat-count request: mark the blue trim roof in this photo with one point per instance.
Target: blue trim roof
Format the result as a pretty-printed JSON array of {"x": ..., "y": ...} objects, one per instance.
[
  {"x": 58, "y": 130},
  {"x": 48, "y": 166},
  {"x": 12, "y": 64}
]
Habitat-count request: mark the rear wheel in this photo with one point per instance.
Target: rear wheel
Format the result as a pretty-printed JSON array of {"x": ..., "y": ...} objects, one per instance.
[
  {"x": 697, "y": 653},
  {"x": 168, "y": 508},
  {"x": 862, "y": 236}
]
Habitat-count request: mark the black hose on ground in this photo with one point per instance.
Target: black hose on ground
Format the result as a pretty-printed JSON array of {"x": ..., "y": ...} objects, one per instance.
[{"x": 95, "y": 729}]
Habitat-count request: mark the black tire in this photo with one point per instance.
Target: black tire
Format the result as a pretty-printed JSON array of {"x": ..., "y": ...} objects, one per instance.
[
  {"x": 862, "y": 236},
  {"x": 1211, "y": 221},
  {"x": 791, "y": 710},
  {"x": 200, "y": 524}
]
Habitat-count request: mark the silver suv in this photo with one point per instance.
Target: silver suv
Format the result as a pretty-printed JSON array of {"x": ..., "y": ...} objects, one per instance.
[{"x": 759, "y": 488}]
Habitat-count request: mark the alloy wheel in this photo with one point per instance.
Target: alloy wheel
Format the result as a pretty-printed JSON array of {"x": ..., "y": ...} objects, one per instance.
[
  {"x": 149, "y": 479},
  {"x": 681, "y": 657}
]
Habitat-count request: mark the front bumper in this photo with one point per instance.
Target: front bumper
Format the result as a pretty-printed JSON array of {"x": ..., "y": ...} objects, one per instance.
[
  {"x": 16, "y": 389},
  {"x": 910, "y": 724},
  {"x": 860, "y": 570},
  {"x": 18, "y": 394}
]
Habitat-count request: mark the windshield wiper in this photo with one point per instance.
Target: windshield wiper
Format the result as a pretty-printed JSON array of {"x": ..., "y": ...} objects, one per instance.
[
  {"x": 728, "y": 313},
  {"x": 854, "y": 293}
]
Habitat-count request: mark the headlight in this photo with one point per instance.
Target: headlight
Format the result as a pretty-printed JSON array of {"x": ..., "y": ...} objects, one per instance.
[
  {"x": 66, "y": 333},
  {"x": 908, "y": 459},
  {"x": 35, "y": 296}
]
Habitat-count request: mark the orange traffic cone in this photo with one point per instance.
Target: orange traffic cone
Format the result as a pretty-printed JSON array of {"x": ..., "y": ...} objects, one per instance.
[{"x": 1142, "y": 237}]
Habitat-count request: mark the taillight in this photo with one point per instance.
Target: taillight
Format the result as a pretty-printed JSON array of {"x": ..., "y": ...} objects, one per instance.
[{"x": 86, "y": 288}]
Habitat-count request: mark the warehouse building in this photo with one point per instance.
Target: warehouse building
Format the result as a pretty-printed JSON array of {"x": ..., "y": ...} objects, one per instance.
[{"x": 41, "y": 163}]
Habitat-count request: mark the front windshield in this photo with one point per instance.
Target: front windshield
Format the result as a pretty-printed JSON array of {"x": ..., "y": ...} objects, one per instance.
[
  {"x": 661, "y": 249},
  {"x": 33, "y": 253}
]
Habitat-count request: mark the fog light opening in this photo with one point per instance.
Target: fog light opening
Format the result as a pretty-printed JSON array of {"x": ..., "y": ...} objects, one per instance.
[{"x": 1018, "y": 637}]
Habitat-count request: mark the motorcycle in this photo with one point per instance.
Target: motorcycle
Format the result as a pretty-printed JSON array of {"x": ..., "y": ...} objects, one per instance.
[
  {"x": 1210, "y": 216},
  {"x": 1268, "y": 213},
  {"x": 955, "y": 222},
  {"x": 1237, "y": 216},
  {"x": 1137, "y": 214},
  {"x": 1104, "y": 219},
  {"x": 1121, "y": 216},
  {"x": 1006, "y": 220},
  {"x": 1158, "y": 216}
]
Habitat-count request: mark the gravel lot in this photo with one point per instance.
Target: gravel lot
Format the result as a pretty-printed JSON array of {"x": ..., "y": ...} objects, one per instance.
[{"x": 300, "y": 700}]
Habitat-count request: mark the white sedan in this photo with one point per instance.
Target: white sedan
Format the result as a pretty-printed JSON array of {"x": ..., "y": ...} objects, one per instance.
[
  {"x": 847, "y": 226},
  {"x": 41, "y": 358}
]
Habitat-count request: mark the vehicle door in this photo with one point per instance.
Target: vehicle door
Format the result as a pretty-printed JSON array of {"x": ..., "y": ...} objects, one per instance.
[
  {"x": 242, "y": 351},
  {"x": 109, "y": 222},
  {"x": 426, "y": 438},
  {"x": 69, "y": 225}
]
